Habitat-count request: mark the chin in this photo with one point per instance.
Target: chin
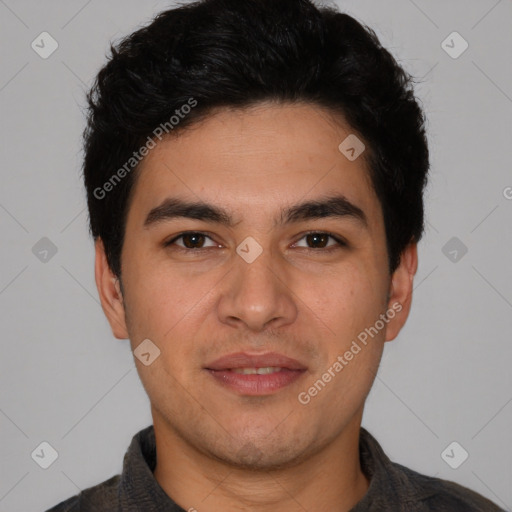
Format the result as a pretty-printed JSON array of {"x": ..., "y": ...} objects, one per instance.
[{"x": 263, "y": 454}]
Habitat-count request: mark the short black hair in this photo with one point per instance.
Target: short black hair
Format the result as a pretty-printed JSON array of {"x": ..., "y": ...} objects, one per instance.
[{"x": 211, "y": 54}]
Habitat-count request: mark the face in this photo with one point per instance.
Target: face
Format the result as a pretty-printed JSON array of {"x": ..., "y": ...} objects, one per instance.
[{"x": 253, "y": 280}]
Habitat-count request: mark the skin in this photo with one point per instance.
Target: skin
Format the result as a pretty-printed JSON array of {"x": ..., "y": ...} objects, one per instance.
[{"x": 218, "y": 450}]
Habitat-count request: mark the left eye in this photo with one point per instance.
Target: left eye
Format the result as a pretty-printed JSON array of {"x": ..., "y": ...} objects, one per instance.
[
  {"x": 321, "y": 238},
  {"x": 191, "y": 239}
]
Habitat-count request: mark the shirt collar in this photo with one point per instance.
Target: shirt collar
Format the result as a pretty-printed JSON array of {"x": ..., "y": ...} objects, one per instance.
[
  {"x": 390, "y": 487},
  {"x": 138, "y": 488}
]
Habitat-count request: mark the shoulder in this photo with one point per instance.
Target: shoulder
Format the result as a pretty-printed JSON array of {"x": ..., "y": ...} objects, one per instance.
[
  {"x": 397, "y": 487},
  {"x": 68, "y": 505},
  {"x": 103, "y": 496},
  {"x": 445, "y": 495}
]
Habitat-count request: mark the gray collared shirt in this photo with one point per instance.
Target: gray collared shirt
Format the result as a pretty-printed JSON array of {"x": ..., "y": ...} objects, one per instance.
[{"x": 393, "y": 487}]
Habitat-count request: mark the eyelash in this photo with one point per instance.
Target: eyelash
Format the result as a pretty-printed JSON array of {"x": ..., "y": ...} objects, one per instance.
[{"x": 339, "y": 241}]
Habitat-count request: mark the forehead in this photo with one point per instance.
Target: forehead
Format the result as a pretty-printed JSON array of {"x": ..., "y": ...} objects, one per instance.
[{"x": 254, "y": 158}]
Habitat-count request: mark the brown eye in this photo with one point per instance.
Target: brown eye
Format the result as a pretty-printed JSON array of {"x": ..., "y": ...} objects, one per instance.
[
  {"x": 190, "y": 240},
  {"x": 319, "y": 240}
]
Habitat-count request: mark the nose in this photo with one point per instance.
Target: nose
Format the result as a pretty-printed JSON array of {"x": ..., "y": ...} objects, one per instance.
[{"x": 257, "y": 295}]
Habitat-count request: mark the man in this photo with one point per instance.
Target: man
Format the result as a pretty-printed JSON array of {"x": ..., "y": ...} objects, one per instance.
[{"x": 255, "y": 173}]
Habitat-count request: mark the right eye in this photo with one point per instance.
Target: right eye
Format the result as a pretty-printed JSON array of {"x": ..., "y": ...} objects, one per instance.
[{"x": 190, "y": 240}]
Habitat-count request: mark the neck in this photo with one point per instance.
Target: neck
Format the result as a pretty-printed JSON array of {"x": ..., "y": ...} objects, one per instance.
[{"x": 331, "y": 479}]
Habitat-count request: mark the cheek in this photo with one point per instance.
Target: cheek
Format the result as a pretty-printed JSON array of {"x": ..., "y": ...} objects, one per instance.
[
  {"x": 168, "y": 307},
  {"x": 347, "y": 300},
  {"x": 350, "y": 306},
  {"x": 159, "y": 294}
]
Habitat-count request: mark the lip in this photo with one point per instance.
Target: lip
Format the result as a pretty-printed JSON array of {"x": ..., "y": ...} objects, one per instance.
[
  {"x": 245, "y": 360},
  {"x": 254, "y": 384}
]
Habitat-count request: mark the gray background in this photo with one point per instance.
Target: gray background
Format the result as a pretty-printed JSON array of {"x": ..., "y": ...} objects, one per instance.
[{"x": 66, "y": 380}]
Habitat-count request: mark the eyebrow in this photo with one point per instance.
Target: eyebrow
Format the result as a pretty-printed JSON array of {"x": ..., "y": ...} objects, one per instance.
[{"x": 331, "y": 206}]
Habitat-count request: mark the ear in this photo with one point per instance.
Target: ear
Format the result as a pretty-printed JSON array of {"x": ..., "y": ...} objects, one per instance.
[
  {"x": 400, "y": 294},
  {"x": 110, "y": 293}
]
